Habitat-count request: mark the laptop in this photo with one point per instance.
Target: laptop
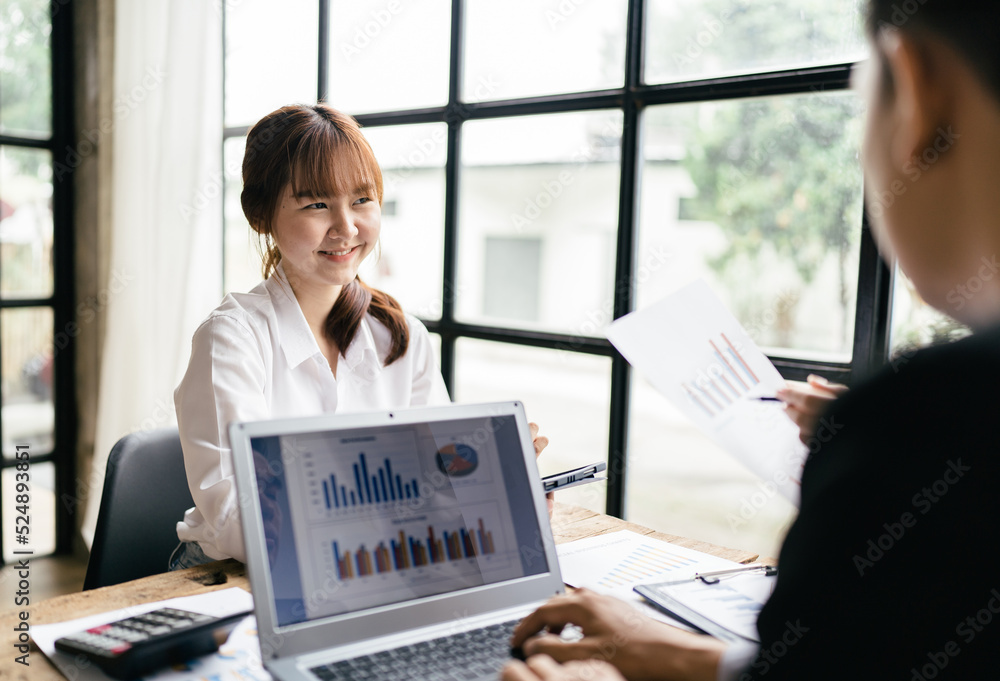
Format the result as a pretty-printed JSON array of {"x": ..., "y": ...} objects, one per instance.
[{"x": 381, "y": 542}]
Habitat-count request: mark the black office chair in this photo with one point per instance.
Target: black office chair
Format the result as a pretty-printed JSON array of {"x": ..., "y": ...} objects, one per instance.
[{"x": 145, "y": 494}]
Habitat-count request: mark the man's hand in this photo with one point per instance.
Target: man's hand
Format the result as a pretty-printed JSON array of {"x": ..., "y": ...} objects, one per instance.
[
  {"x": 544, "y": 668},
  {"x": 806, "y": 402},
  {"x": 615, "y": 632}
]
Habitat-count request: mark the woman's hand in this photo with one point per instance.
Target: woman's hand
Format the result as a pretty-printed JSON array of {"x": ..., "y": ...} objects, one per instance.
[
  {"x": 805, "y": 403},
  {"x": 544, "y": 668},
  {"x": 615, "y": 632},
  {"x": 541, "y": 442}
]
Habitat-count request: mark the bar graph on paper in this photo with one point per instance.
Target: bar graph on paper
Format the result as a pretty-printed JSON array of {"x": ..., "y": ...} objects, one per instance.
[
  {"x": 697, "y": 355},
  {"x": 643, "y": 564},
  {"x": 722, "y": 383}
]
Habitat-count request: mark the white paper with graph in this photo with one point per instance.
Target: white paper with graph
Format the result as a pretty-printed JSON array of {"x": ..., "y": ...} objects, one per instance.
[
  {"x": 613, "y": 563},
  {"x": 694, "y": 352}
]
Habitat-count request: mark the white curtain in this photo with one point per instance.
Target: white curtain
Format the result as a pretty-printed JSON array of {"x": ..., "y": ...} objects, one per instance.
[{"x": 166, "y": 229}]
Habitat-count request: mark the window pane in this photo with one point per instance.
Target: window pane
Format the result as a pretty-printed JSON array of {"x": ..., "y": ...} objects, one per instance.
[
  {"x": 560, "y": 391},
  {"x": 582, "y": 46},
  {"x": 412, "y": 158},
  {"x": 25, "y": 68},
  {"x": 550, "y": 182},
  {"x": 692, "y": 39},
  {"x": 762, "y": 198},
  {"x": 25, "y": 222},
  {"x": 271, "y": 57},
  {"x": 679, "y": 481},
  {"x": 41, "y": 510},
  {"x": 242, "y": 261},
  {"x": 389, "y": 54},
  {"x": 915, "y": 324},
  {"x": 26, "y": 342}
]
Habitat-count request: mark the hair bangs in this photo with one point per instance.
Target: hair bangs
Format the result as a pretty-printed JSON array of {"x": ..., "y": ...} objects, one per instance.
[{"x": 330, "y": 162}]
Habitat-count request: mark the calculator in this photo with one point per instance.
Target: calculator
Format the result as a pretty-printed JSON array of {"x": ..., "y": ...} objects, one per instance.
[{"x": 135, "y": 646}]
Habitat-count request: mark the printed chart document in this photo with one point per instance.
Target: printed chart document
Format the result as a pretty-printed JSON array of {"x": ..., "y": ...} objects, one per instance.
[
  {"x": 692, "y": 349},
  {"x": 237, "y": 659},
  {"x": 729, "y": 606},
  {"x": 613, "y": 563}
]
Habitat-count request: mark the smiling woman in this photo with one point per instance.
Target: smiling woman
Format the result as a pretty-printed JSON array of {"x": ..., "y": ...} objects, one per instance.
[
  {"x": 312, "y": 338},
  {"x": 313, "y": 194}
]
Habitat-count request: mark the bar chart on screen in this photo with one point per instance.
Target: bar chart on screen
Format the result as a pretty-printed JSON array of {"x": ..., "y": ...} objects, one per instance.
[
  {"x": 441, "y": 542},
  {"x": 406, "y": 551},
  {"x": 352, "y": 477}
]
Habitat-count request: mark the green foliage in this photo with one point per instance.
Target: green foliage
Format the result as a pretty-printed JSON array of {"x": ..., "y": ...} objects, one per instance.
[
  {"x": 782, "y": 172},
  {"x": 695, "y": 38},
  {"x": 779, "y": 175},
  {"x": 25, "y": 67}
]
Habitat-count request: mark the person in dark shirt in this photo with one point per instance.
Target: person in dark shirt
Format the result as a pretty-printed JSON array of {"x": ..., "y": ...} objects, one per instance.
[{"x": 891, "y": 569}]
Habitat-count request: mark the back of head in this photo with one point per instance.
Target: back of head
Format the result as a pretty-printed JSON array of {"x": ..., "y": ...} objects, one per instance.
[{"x": 970, "y": 27}]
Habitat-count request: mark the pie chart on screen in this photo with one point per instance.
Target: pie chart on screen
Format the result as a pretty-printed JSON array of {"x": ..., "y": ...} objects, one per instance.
[{"x": 457, "y": 460}]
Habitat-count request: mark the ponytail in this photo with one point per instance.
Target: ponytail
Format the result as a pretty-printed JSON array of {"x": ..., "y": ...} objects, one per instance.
[{"x": 355, "y": 300}]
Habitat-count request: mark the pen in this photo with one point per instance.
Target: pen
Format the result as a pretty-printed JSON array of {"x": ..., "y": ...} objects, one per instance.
[
  {"x": 766, "y": 398},
  {"x": 713, "y": 577}
]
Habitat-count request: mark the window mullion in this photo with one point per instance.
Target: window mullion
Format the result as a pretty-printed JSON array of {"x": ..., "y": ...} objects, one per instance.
[
  {"x": 874, "y": 306},
  {"x": 625, "y": 255},
  {"x": 64, "y": 273},
  {"x": 323, "y": 53}
]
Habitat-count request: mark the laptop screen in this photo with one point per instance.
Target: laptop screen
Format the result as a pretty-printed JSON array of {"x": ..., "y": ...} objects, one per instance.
[{"x": 369, "y": 516}]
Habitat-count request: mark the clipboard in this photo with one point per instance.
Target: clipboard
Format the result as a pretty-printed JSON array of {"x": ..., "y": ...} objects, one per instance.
[{"x": 724, "y": 604}]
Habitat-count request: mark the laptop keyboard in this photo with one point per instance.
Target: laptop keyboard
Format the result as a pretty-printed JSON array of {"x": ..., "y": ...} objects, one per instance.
[{"x": 460, "y": 657}]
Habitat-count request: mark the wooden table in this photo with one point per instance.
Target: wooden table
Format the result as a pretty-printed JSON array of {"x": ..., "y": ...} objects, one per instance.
[{"x": 568, "y": 523}]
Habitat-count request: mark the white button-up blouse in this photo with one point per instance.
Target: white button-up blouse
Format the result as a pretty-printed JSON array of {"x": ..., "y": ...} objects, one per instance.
[{"x": 256, "y": 358}]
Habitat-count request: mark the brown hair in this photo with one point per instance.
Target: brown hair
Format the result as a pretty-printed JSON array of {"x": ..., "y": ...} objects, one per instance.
[{"x": 320, "y": 151}]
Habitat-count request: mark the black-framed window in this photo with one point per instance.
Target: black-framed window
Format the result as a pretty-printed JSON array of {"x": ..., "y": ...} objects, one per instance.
[
  {"x": 623, "y": 147},
  {"x": 37, "y": 328}
]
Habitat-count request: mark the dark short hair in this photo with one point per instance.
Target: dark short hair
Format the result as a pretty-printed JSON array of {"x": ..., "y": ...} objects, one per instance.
[{"x": 971, "y": 27}]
